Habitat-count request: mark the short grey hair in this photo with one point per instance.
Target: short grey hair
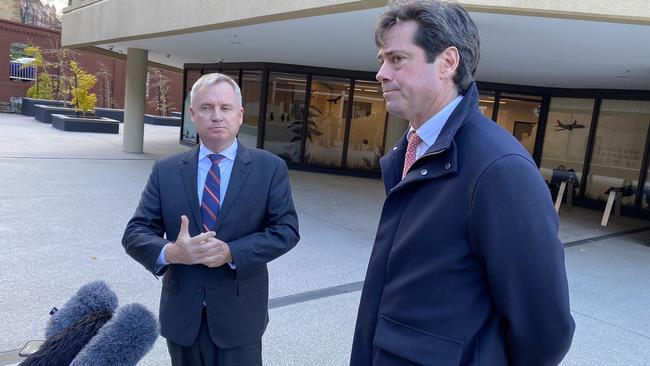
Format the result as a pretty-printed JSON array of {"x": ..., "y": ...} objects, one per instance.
[
  {"x": 213, "y": 79},
  {"x": 440, "y": 25}
]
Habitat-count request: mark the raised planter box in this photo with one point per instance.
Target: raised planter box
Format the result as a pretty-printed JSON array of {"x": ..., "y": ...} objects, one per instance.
[
  {"x": 162, "y": 121},
  {"x": 85, "y": 124},
  {"x": 44, "y": 113},
  {"x": 28, "y": 104},
  {"x": 116, "y": 114}
]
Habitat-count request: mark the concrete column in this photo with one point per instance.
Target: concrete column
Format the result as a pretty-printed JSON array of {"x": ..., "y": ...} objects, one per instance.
[{"x": 134, "y": 100}]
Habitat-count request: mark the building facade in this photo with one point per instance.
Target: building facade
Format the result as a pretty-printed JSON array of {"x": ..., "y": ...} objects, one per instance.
[
  {"x": 569, "y": 79},
  {"x": 109, "y": 68}
]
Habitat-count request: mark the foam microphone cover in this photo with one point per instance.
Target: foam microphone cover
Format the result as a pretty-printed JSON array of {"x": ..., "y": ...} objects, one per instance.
[
  {"x": 62, "y": 348},
  {"x": 90, "y": 297},
  {"x": 123, "y": 341}
]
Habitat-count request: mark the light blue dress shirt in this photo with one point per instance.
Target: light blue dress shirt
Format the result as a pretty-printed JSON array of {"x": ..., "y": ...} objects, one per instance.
[
  {"x": 204, "y": 165},
  {"x": 430, "y": 130}
]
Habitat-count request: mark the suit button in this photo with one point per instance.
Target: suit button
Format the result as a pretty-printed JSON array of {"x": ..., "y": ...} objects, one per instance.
[
  {"x": 199, "y": 289},
  {"x": 447, "y": 166},
  {"x": 423, "y": 172},
  {"x": 394, "y": 147}
]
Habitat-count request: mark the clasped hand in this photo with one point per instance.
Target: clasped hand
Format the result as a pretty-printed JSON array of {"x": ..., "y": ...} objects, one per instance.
[{"x": 204, "y": 248}]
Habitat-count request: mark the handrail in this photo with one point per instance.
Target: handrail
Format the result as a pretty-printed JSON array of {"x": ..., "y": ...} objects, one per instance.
[{"x": 18, "y": 72}]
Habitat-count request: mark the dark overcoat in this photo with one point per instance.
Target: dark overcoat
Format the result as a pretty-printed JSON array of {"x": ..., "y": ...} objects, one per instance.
[{"x": 467, "y": 267}]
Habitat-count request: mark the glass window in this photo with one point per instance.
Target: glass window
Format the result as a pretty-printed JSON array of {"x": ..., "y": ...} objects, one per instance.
[
  {"x": 366, "y": 143},
  {"x": 233, "y": 73},
  {"x": 645, "y": 195},
  {"x": 395, "y": 129},
  {"x": 519, "y": 115},
  {"x": 285, "y": 109},
  {"x": 326, "y": 123},
  {"x": 18, "y": 61},
  {"x": 251, "y": 87},
  {"x": 567, "y": 132},
  {"x": 486, "y": 103},
  {"x": 188, "y": 130},
  {"x": 618, "y": 148}
]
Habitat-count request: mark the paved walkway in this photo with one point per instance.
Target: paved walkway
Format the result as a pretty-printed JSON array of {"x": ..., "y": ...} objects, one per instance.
[{"x": 65, "y": 198}]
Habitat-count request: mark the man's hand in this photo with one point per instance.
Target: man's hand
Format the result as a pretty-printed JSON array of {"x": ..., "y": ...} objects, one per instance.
[
  {"x": 221, "y": 256},
  {"x": 193, "y": 249}
]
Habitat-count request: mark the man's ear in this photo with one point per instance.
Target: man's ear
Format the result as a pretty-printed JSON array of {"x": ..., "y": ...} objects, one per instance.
[
  {"x": 449, "y": 60},
  {"x": 191, "y": 110}
]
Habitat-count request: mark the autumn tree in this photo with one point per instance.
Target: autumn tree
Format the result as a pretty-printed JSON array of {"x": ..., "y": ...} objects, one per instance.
[
  {"x": 161, "y": 85},
  {"x": 83, "y": 100},
  {"x": 42, "y": 87},
  {"x": 61, "y": 73},
  {"x": 104, "y": 74}
]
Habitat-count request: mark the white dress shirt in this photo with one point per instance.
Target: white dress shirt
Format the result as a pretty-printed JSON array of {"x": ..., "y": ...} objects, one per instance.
[{"x": 430, "y": 130}]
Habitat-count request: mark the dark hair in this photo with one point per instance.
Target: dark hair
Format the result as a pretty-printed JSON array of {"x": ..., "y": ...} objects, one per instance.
[{"x": 440, "y": 25}]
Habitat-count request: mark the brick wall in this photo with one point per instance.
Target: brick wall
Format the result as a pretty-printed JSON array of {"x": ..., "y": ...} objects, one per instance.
[{"x": 12, "y": 32}]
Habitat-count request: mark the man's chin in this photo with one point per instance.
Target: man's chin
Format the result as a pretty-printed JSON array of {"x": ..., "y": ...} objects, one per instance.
[{"x": 394, "y": 111}]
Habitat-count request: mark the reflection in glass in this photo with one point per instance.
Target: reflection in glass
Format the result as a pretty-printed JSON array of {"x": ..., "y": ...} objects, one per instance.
[
  {"x": 618, "y": 149},
  {"x": 365, "y": 146},
  {"x": 567, "y": 132},
  {"x": 189, "y": 131},
  {"x": 486, "y": 103},
  {"x": 329, "y": 97},
  {"x": 519, "y": 115},
  {"x": 251, "y": 87},
  {"x": 285, "y": 109},
  {"x": 233, "y": 73}
]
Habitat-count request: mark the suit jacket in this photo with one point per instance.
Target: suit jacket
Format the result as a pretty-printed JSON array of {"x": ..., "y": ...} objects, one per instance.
[
  {"x": 259, "y": 223},
  {"x": 467, "y": 267}
]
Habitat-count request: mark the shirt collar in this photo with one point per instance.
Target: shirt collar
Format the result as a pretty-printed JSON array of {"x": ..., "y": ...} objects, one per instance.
[
  {"x": 229, "y": 153},
  {"x": 430, "y": 129}
]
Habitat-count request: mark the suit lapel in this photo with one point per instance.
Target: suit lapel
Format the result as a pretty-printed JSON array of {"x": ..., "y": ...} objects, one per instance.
[
  {"x": 188, "y": 175},
  {"x": 240, "y": 170}
]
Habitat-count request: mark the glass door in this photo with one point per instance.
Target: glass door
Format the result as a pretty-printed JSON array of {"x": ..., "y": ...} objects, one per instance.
[{"x": 519, "y": 115}]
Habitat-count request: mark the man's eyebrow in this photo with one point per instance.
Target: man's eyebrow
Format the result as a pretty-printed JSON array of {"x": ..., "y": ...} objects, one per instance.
[{"x": 389, "y": 53}]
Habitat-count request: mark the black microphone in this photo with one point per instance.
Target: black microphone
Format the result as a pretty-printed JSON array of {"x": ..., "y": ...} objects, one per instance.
[
  {"x": 123, "y": 341},
  {"x": 62, "y": 348},
  {"x": 90, "y": 297}
]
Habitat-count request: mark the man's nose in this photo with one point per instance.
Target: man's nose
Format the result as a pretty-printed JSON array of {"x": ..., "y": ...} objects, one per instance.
[
  {"x": 383, "y": 74},
  {"x": 216, "y": 115}
]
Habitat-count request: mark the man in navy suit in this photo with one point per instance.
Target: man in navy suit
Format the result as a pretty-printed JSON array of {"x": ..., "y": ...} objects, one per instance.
[
  {"x": 467, "y": 267},
  {"x": 210, "y": 219}
]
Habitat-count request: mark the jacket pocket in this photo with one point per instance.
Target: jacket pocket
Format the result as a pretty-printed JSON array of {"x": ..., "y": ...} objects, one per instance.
[
  {"x": 414, "y": 345},
  {"x": 251, "y": 285}
]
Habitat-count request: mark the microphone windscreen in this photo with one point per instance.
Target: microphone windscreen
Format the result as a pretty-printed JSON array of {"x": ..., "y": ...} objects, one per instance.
[
  {"x": 90, "y": 297},
  {"x": 123, "y": 341},
  {"x": 62, "y": 348}
]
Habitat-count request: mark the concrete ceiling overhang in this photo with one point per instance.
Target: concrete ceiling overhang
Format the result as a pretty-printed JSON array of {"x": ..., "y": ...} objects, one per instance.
[{"x": 515, "y": 49}]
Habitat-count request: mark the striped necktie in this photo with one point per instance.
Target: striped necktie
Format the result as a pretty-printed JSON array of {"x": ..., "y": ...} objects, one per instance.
[{"x": 211, "y": 202}]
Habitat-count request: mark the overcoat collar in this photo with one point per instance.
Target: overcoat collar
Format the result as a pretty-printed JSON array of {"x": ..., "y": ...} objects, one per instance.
[{"x": 393, "y": 163}]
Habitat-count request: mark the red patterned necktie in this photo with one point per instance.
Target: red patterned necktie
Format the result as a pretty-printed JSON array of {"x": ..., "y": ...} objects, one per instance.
[
  {"x": 211, "y": 201},
  {"x": 411, "y": 148}
]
